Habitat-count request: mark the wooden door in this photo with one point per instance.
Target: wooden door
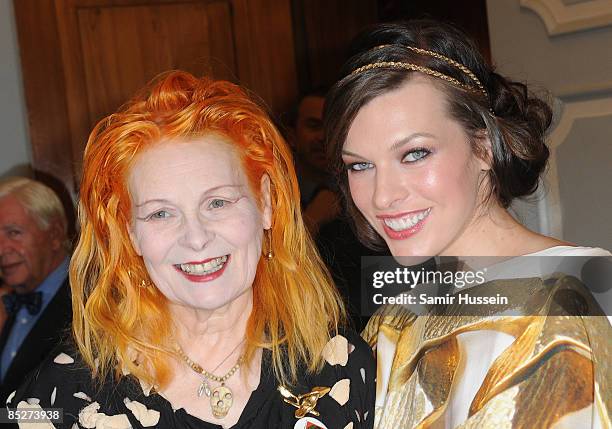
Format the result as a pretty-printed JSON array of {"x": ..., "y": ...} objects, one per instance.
[
  {"x": 469, "y": 15},
  {"x": 82, "y": 59},
  {"x": 324, "y": 30}
]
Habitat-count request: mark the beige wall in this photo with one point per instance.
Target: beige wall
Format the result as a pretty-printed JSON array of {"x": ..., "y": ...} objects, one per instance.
[
  {"x": 565, "y": 46},
  {"x": 14, "y": 141}
]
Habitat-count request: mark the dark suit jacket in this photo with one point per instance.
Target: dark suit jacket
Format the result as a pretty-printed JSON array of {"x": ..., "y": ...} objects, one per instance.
[{"x": 52, "y": 326}]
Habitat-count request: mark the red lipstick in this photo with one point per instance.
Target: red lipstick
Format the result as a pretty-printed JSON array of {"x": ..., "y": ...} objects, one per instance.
[
  {"x": 406, "y": 233},
  {"x": 201, "y": 278}
]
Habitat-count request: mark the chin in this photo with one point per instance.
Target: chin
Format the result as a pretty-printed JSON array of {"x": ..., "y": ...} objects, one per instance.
[
  {"x": 417, "y": 250},
  {"x": 16, "y": 280},
  {"x": 215, "y": 302},
  {"x": 405, "y": 252},
  {"x": 207, "y": 304},
  {"x": 210, "y": 306},
  {"x": 21, "y": 285}
]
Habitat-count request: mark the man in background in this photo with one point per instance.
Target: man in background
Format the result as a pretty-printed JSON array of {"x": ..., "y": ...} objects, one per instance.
[
  {"x": 339, "y": 247},
  {"x": 34, "y": 267},
  {"x": 318, "y": 193}
]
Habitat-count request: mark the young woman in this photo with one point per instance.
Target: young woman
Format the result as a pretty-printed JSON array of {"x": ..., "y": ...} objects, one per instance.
[{"x": 431, "y": 146}]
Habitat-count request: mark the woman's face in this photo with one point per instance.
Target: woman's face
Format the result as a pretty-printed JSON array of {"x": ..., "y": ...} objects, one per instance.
[
  {"x": 195, "y": 221},
  {"x": 412, "y": 172}
]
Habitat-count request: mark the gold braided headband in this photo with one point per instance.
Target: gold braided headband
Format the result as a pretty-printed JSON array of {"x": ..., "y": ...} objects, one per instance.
[
  {"x": 460, "y": 66},
  {"x": 414, "y": 67}
]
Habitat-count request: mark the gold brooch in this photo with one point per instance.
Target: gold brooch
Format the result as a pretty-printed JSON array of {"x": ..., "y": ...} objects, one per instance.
[{"x": 304, "y": 403}]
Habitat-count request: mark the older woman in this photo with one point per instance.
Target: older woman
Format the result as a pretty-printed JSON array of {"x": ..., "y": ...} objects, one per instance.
[
  {"x": 431, "y": 146},
  {"x": 199, "y": 300}
]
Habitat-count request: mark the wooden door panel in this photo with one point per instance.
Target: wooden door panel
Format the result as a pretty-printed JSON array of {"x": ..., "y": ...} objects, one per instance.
[
  {"x": 100, "y": 52},
  {"x": 45, "y": 91},
  {"x": 122, "y": 47},
  {"x": 266, "y": 52},
  {"x": 329, "y": 30},
  {"x": 113, "y": 48}
]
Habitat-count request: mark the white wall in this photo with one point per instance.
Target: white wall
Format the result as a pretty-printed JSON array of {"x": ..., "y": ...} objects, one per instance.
[
  {"x": 566, "y": 47},
  {"x": 15, "y": 150}
]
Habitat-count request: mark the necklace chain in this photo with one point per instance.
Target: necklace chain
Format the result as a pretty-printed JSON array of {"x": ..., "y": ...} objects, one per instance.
[
  {"x": 221, "y": 397},
  {"x": 209, "y": 375}
]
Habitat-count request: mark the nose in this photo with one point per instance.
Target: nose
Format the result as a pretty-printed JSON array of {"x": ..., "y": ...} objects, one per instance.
[
  {"x": 388, "y": 189},
  {"x": 196, "y": 233}
]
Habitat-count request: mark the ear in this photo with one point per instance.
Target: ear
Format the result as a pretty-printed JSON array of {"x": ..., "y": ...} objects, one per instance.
[
  {"x": 266, "y": 201},
  {"x": 57, "y": 235},
  {"x": 484, "y": 152},
  {"x": 133, "y": 239}
]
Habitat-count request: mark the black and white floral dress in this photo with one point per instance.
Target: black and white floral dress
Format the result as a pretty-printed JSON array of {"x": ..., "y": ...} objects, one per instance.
[{"x": 65, "y": 382}]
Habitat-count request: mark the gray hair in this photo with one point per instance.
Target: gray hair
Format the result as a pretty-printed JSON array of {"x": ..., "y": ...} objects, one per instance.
[{"x": 40, "y": 201}]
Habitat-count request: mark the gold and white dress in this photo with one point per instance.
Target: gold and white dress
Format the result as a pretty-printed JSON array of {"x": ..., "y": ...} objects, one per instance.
[{"x": 546, "y": 369}]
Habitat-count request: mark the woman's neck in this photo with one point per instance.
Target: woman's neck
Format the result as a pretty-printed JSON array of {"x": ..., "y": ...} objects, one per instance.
[
  {"x": 497, "y": 233},
  {"x": 214, "y": 340},
  {"x": 212, "y": 334}
]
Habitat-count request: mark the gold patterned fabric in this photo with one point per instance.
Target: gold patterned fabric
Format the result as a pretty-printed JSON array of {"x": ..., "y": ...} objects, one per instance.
[{"x": 556, "y": 372}]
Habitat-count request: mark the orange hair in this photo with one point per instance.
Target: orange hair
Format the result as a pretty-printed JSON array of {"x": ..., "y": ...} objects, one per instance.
[{"x": 119, "y": 324}]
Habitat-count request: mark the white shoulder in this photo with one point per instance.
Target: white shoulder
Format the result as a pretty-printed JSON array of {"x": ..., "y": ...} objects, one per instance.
[{"x": 572, "y": 251}]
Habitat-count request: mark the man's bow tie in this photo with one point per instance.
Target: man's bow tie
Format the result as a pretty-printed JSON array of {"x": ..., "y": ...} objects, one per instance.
[{"x": 14, "y": 301}]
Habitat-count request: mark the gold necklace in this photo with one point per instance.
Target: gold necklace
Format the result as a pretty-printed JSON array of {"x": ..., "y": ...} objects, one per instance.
[{"x": 221, "y": 397}]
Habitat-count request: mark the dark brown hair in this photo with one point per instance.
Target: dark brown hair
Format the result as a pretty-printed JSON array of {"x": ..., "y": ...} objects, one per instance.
[{"x": 513, "y": 118}]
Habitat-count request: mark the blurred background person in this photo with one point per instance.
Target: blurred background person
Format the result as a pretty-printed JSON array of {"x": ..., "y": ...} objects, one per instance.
[
  {"x": 3, "y": 291},
  {"x": 321, "y": 203},
  {"x": 318, "y": 193},
  {"x": 34, "y": 267}
]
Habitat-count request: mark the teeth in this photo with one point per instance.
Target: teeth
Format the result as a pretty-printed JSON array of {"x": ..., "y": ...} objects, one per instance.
[
  {"x": 206, "y": 268},
  {"x": 400, "y": 224}
]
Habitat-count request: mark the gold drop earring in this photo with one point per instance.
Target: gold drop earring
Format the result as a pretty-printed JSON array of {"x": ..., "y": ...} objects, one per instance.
[{"x": 268, "y": 233}]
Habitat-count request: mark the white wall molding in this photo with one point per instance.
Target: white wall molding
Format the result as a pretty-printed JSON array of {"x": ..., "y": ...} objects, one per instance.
[
  {"x": 549, "y": 208},
  {"x": 15, "y": 149},
  {"x": 597, "y": 89},
  {"x": 561, "y": 18}
]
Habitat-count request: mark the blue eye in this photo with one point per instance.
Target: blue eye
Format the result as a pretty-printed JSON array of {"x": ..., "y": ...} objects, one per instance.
[
  {"x": 416, "y": 155},
  {"x": 217, "y": 204},
  {"x": 161, "y": 214},
  {"x": 359, "y": 166}
]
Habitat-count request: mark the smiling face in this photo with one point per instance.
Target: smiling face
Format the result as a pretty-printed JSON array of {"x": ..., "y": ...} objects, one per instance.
[
  {"x": 412, "y": 172},
  {"x": 24, "y": 262},
  {"x": 195, "y": 221}
]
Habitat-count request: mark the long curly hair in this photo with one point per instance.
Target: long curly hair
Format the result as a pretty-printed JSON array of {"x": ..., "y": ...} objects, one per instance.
[{"x": 121, "y": 326}]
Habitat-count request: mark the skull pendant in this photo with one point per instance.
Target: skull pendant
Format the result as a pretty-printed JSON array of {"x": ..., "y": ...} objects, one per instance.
[{"x": 221, "y": 400}]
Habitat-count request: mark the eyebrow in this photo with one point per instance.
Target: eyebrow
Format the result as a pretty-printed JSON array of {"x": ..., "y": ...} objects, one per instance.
[
  {"x": 165, "y": 201},
  {"x": 395, "y": 146},
  {"x": 401, "y": 142},
  {"x": 11, "y": 225},
  {"x": 157, "y": 200}
]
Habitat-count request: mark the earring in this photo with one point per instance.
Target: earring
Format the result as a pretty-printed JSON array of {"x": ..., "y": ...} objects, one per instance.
[
  {"x": 143, "y": 283},
  {"x": 269, "y": 255}
]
